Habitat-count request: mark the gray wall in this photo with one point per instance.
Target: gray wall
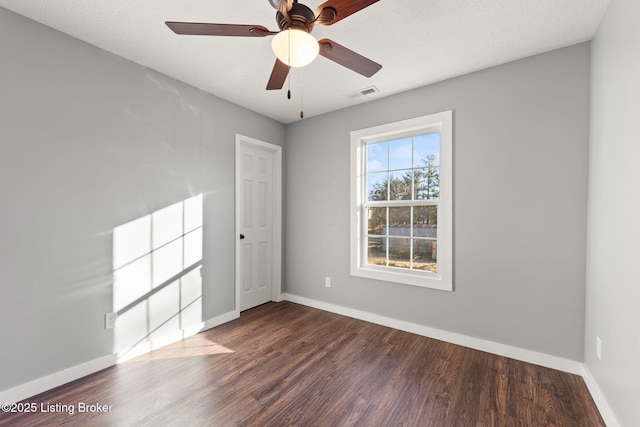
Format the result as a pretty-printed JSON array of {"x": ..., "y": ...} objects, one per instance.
[
  {"x": 613, "y": 291},
  {"x": 89, "y": 141},
  {"x": 520, "y": 191}
]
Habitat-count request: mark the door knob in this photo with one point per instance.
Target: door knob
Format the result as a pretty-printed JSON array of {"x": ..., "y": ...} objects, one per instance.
[{"x": 241, "y": 236}]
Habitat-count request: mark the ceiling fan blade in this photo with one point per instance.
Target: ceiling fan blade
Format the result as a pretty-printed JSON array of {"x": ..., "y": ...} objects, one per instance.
[
  {"x": 277, "y": 4},
  {"x": 348, "y": 58},
  {"x": 200, "y": 29},
  {"x": 278, "y": 75},
  {"x": 332, "y": 11}
]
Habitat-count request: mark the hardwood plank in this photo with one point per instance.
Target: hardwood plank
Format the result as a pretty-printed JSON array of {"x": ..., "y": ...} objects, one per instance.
[{"x": 283, "y": 364}]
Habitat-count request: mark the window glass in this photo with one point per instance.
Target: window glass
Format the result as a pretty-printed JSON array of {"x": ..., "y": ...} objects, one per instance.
[
  {"x": 378, "y": 157},
  {"x": 401, "y": 154},
  {"x": 406, "y": 238}
]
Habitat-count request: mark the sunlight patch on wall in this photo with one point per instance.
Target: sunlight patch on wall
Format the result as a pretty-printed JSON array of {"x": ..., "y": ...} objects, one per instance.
[{"x": 157, "y": 290}]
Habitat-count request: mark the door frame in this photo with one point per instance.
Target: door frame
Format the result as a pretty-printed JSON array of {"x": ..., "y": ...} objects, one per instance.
[{"x": 276, "y": 258}]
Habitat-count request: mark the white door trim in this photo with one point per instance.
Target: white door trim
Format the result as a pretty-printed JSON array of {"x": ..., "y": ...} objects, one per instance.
[{"x": 276, "y": 259}]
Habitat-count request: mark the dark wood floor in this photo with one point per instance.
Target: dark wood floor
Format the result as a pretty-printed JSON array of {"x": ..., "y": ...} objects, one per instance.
[{"x": 285, "y": 364}]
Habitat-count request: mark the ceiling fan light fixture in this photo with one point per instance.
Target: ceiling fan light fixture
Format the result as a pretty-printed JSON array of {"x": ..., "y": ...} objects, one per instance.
[{"x": 295, "y": 47}]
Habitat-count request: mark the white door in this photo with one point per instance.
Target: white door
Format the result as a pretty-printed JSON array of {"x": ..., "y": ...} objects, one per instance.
[{"x": 255, "y": 216}]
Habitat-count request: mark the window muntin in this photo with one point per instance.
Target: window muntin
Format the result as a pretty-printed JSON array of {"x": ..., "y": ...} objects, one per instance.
[{"x": 401, "y": 202}]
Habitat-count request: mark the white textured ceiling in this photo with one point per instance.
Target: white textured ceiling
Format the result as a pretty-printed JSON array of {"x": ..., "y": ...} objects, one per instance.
[{"x": 417, "y": 42}]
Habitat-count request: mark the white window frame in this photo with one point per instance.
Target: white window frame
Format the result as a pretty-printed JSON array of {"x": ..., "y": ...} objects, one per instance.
[{"x": 439, "y": 122}]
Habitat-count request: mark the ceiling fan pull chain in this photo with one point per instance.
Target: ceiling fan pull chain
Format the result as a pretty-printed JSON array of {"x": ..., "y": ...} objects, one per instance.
[
  {"x": 301, "y": 93},
  {"x": 289, "y": 47},
  {"x": 289, "y": 79}
]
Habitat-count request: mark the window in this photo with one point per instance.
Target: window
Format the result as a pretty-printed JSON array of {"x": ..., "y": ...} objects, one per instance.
[{"x": 401, "y": 202}]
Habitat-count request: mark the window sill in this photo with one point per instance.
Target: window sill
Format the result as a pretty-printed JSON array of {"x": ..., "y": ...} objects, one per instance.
[{"x": 423, "y": 280}]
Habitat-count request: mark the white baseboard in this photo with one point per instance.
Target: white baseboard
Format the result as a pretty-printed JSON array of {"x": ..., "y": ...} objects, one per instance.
[
  {"x": 54, "y": 380},
  {"x": 542, "y": 359},
  {"x": 219, "y": 320},
  {"x": 598, "y": 397},
  {"x": 57, "y": 379}
]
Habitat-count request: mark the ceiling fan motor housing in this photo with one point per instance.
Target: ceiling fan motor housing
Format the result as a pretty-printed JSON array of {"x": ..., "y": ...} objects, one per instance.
[{"x": 300, "y": 15}]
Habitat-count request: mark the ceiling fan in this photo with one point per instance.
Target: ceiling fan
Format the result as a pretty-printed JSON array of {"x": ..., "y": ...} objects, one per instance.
[{"x": 293, "y": 44}]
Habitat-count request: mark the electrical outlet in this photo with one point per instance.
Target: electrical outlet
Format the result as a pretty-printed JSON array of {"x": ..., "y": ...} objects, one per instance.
[
  {"x": 110, "y": 320},
  {"x": 327, "y": 282},
  {"x": 599, "y": 348}
]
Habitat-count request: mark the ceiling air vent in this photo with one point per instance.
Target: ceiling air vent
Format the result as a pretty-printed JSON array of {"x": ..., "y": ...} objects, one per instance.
[{"x": 362, "y": 92}]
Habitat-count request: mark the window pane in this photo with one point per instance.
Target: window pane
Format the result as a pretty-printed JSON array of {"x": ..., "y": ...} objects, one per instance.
[
  {"x": 378, "y": 157},
  {"x": 401, "y": 154},
  {"x": 377, "y": 186},
  {"x": 425, "y": 255},
  {"x": 399, "y": 252},
  {"x": 426, "y": 150},
  {"x": 400, "y": 185},
  {"x": 425, "y": 218},
  {"x": 427, "y": 184},
  {"x": 399, "y": 221},
  {"x": 376, "y": 221},
  {"x": 377, "y": 251}
]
